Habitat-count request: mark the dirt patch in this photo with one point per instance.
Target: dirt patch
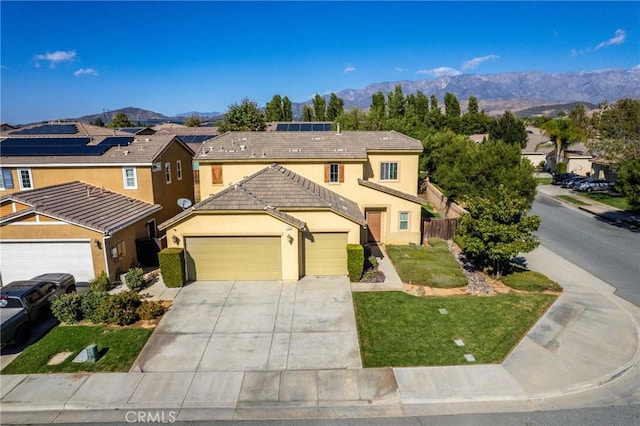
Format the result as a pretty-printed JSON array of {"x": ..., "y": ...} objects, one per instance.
[
  {"x": 59, "y": 358},
  {"x": 497, "y": 287}
]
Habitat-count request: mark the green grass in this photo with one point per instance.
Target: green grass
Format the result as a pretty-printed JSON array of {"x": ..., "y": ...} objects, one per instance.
[
  {"x": 571, "y": 200},
  {"x": 544, "y": 181},
  {"x": 433, "y": 266},
  {"x": 429, "y": 211},
  {"x": 399, "y": 330},
  {"x": 530, "y": 281},
  {"x": 618, "y": 202},
  {"x": 118, "y": 347}
]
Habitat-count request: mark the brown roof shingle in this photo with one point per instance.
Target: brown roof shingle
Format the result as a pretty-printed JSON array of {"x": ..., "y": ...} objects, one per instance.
[{"x": 85, "y": 205}]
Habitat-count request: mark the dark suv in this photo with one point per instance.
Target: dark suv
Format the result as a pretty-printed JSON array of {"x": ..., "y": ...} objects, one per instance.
[{"x": 559, "y": 178}]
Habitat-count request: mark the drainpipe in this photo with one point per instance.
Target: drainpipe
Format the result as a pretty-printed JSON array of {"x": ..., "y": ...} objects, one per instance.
[{"x": 106, "y": 254}]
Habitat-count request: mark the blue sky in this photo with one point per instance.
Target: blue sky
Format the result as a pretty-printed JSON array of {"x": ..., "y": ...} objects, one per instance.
[{"x": 68, "y": 59}]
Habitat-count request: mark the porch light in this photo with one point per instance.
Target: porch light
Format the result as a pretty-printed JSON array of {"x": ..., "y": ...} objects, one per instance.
[
  {"x": 175, "y": 240},
  {"x": 290, "y": 239}
]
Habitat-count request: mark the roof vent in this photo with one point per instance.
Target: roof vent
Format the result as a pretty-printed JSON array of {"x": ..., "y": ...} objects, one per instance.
[
  {"x": 263, "y": 155},
  {"x": 295, "y": 149},
  {"x": 384, "y": 138},
  {"x": 147, "y": 139},
  {"x": 243, "y": 147},
  {"x": 340, "y": 149}
]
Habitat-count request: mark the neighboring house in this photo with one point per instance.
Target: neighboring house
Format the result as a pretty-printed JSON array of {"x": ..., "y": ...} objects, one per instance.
[
  {"x": 299, "y": 126},
  {"x": 538, "y": 147},
  {"x": 156, "y": 169},
  {"x": 281, "y": 205},
  {"x": 604, "y": 169},
  {"x": 71, "y": 227},
  {"x": 577, "y": 157}
]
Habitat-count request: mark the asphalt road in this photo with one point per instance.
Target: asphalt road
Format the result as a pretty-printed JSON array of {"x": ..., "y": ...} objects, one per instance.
[{"x": 609, "y": 252}]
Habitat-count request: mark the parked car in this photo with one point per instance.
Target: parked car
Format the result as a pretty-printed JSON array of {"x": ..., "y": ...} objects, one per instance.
[
  {"x": 22, "y": 303},
  {"x": 569, "y": 183},
  {"x": 595, "y": 185},
  {"x": 557, "y": 179}
]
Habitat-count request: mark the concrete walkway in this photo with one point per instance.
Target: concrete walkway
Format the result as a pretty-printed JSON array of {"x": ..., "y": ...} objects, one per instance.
[{"x": 583, "y": 353}]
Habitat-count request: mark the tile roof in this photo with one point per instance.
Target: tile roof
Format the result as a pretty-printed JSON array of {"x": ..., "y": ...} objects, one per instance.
[
  {"x": 390, "y": 191},
  {"x": 276, "y": 189},
  {"x": 142, "y": 150},
  {"x": 276, "y": 146},
  {"x": 85, "y": 205}
]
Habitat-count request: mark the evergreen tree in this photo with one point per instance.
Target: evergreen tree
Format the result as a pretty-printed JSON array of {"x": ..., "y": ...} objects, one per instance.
[
  {"x": 377, "y": 112},
  {"x": 193, "y": 121},
  {"x": 287, "y": 113},
  {"x": 509, "y": 128},
  {"x": 120, "y": 120},
  {"x": 319, "y": 108},
  {"x": 396, "y": 102},
  {"x": 335, "y": 108},
  {"x": 274, "y": 110},
  {"x": 242, "y": 117},
  {"x": 307, "y": 113}
]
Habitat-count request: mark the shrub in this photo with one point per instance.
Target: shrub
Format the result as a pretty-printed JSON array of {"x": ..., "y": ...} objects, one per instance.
[
  {"x": 90, "y": 303},
  {"x": 135, "y": 279},
  {"x": 530, "y": 281},
  {"x": 172, "y": 266},
  {"x": 561, "y": 168},
  {"x": 373, "y": 276},
  {"x": 150, "y": 309},
  {"x": 100, "y": 283},
  {"x": 355, "y": 261},
  {"x": 119, "y": 308},
  {"x": 67, "y": 309}
]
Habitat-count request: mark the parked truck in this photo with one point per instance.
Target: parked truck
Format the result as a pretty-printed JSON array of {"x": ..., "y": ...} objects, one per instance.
[{"x": 22, "y": 303}]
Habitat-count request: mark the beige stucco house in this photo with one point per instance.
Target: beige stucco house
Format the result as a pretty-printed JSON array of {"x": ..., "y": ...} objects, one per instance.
[
  {"x": 281, "y": 205},
  {"x": 72, "y": 227}
]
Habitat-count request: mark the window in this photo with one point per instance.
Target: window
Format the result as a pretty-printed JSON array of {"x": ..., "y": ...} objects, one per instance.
[
  {"x": 216, "y": 175},
  {"x": 25, "y": 179},
  {"x": 404, "y": 221},
  {"x": 389, "y": 171},
  {"x": 167, "y": 172},
  {"x": 6, "y": 180},
  {"x": 130, "y": 179},
  {"x": 179, "y": 169},
  {"x": 334, "y": 173}
]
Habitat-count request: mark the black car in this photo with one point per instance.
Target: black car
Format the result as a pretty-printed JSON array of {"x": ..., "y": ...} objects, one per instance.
[{"x": 561, "y": 177}]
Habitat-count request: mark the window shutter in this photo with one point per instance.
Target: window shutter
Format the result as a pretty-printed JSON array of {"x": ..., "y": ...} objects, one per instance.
[
  {"x": 341, "y": 173},
  {"x": 327, "y": 172},
  {"x": 216, "y": 175}
]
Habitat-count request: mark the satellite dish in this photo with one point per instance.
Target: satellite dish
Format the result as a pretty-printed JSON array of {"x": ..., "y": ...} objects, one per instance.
[{"x": 185, "y": 203}]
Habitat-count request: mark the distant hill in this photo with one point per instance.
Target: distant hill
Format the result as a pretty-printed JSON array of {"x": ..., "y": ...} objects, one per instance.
[
  {"x": 553, "y": 110},
  {"x": 526, "y": 93}
]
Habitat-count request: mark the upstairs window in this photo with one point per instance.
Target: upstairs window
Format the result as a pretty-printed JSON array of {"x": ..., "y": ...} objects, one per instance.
[
  {"x": 334, "y": 173},
  {"x": 389, "y": 171},
  {"x": 179, "y": 169},
  {"x": 216, "y": 175},
  {"x": 167, "y": 172},
  {"x": 130, "y": 178},
  {"x": 25, "y": 179}
]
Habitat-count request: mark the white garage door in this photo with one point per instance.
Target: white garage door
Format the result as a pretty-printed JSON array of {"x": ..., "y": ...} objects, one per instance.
[{"x": 21, "y": 260}]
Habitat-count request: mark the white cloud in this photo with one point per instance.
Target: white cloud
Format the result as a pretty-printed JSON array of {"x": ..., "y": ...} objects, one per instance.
[
  {"x": 473, "y": 63},
  {"x": 619, "y": 38},
  {"x": 55, "y": 57},
  {"x": 398, "y": 70},
  {"x": 349, "y": 69},
  {"x": 440, "y": 72},
  {"x": 86, "y": 71}
]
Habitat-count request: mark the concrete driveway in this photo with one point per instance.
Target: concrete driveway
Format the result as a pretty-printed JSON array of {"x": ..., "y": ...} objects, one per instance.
[{"x": 256, "y": 326}]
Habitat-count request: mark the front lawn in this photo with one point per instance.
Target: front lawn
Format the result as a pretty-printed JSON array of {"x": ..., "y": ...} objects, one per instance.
[
  {"x": 530, "y": 281},
  {"x": 571, "y": 200},
  {"x": 118, "y": 346},
  {"x": 618, "y": 202},
  {"x": 432, "y": 266},
  {"x": 544, "y": 181},
  {"x": 399, "y": 330}
]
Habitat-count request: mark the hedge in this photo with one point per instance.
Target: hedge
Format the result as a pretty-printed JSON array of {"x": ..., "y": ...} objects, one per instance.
[
  {"x": 355, "y": 261},
  {"x": 172, "y": 266}
]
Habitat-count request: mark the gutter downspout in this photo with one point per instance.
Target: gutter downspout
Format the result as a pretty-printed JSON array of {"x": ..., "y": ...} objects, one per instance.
[{"x": 106, "y": 254}]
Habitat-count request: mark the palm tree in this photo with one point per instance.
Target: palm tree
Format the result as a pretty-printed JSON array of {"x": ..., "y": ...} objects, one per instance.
[{"x": 563, "y": 132}]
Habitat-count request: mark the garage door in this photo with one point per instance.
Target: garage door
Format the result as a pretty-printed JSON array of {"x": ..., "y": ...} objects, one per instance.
[
  {"x": 233, "y": 258},
  {"x": 22, "y": 260},
  {"x": 326, "y": 253}
]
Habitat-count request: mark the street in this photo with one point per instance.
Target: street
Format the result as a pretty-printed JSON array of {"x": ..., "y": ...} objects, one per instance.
[{"x": 609, "y": 252}]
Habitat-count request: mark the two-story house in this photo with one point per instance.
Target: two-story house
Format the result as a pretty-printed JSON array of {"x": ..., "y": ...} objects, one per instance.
[
  {"x": 153, "y": 169},
  {"x": 281, "y": 205}
]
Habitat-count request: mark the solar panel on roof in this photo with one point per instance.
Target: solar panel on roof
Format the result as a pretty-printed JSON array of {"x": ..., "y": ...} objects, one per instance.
[
  {"x": 195, "y": 138},
  {"x": 305, "y": 127},
  {"x": 49, "y": 129},
  {"x": 116, "y": 141},
  {"x": 44, "y": 142},
  {"x": 282, "y": 127}
]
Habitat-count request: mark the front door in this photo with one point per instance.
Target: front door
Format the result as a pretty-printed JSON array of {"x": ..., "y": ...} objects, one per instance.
[{"x": 374, "y": 224}]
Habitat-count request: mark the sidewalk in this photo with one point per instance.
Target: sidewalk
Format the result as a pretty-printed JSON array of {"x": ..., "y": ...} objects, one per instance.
[{"x": 584, "y": 352}]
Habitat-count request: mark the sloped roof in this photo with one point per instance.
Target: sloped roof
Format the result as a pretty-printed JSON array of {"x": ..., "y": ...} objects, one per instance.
[
  {"x": 84, "y": 205},
  {"x": 276, "y": 146},
  {"x": 390, "y": 191},
  {"x": 275, "y": 189}
]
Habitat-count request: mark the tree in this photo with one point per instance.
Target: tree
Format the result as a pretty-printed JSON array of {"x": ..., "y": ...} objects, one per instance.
[
  {"x": 509, "y": 128},
  {"x": 472, "y": 108},
  {"x": 245, "y": 116},
  {"x": 273, "y": 110},
  {"x": 496, "y": 229},
  {"x": 287, "y": 113},
  {"x": 628, "y": 182},
  {"x": 319, "y": 108},
  {"x": 351, "y": 120},
  {"x": 563, "y": 132},
  {"x": 451, "y": 106},
  {"x": 396, "y": 102},
  {"x": 307, "y": 113},
  {"x": 120, "y": 120},
  {"x": 335, "y": 108},
  {"x": 377, "y": 112},
  {"x": 618, "y": 131},
  {"x": 193, "y": 121},
  {"x": 98, "y": 122}
]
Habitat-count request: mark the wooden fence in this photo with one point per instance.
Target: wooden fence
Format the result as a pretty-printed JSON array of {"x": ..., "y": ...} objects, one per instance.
[{"x": 439, "y": 228}]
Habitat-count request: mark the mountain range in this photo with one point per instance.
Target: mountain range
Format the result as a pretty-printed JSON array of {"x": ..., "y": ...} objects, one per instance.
[{"x": 496, "y": 93}]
